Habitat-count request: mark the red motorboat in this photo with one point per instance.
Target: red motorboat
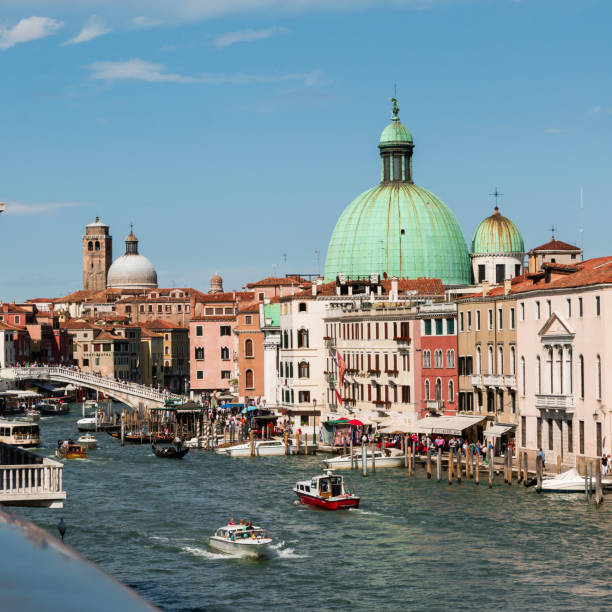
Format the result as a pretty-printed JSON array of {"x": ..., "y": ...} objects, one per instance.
[{"x": 326, "y": 491}]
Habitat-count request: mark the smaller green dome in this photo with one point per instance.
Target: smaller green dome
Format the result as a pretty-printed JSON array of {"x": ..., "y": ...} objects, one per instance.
[
  {"x": 497, "y": 234},
  {"x": 395, "y": 132}
]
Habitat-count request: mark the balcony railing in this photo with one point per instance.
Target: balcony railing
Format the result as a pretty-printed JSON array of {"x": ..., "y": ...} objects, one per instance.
[
  {"x": 477, "y": 380},
  {"x": 349, "y": 401},
  {"x": 434, "y": 404},
  {"x": 329, "y": 342},
  {"x": 556, "y": 402},
  {"x": 373, "y": 373},
  {"x": 403, "y": 342},
  {"x": 510, "y": 381},
  {"x": 382, "y": 404},
  {"x": 493, "y": 380}
]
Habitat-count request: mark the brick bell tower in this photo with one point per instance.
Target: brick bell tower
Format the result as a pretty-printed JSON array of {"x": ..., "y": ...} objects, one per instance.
[{"x": 97, "y": 255}]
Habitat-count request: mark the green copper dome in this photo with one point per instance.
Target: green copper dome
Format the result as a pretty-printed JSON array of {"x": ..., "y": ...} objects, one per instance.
[
  {"x": 395, "y": 132},
  {"x": 398, "y": 227},
  {"x": 497, "y": 234}
]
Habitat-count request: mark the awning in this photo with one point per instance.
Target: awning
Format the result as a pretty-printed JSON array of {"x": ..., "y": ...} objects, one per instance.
[
  {"x": 397, "y": 426},
  {"x": 337, "y": 422},
  {"x": 266, "y": 417},
  {"x": 498, "y": 430},
  {"x": 448, "y": 425},
  {"x": 249, "y": 409}
]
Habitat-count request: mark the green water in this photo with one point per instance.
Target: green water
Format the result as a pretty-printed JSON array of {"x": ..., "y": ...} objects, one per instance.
[{"x": 413, "y": 545}]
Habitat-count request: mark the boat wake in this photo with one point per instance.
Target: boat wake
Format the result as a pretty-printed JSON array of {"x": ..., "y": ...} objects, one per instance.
[
  {"x": 206, "y": 554},
  {"x": 278, "y": 552}
]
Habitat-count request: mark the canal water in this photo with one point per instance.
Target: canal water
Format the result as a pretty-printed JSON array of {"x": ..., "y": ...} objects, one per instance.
[{"x": 413, "y": 545}]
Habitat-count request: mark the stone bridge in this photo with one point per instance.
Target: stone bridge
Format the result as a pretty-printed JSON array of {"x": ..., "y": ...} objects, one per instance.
[{"x": 134, "y": 395}]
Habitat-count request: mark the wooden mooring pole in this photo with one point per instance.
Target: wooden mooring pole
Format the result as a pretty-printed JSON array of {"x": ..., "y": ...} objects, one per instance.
[
  {"x": 469, "y": 466},
  {"x": 364, "y": 458},
  {"x": 123, "y": 417},
  {"x": 558, "y": 464},
  {"x": 477, "y": 470},
  {"x": 590, "y": 478},
  {"x": 539, "y": 474},
  {"x": 525, "y": 468},
  {"x": 598, "y": 487},
  {"x": 372, "y": 449},
  {"x": 509, "y": 451},
  {"x": 252, "y": 443},
  {"x": 439, "y": 465},
  {"x": 459, "y": 461},
  {"x": 428, "y": 463},
  {"x": 286, "y": 442},
  {"x": 351, "y": 451},
  {"x": 450, "y": 466},
  {"x": 413, "y": 457},
  {"x": 405, "y": 446},
  {"x": 491, "y": 467},
  {"x": 409, "y": 460}
]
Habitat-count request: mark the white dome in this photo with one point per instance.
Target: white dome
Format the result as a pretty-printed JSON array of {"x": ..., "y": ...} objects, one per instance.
[{"x": 132, "y": 271}]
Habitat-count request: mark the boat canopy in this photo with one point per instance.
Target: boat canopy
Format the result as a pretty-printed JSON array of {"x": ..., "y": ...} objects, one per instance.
[{"x": 498, "y": 430}]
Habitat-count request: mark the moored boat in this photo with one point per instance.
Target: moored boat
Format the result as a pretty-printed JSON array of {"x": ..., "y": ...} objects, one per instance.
[
  {"x": 71, "y": 451},
  {"x": 19, "y": 433},
  {"x": 88, "y": 441},
  {"x": 52, "y": 408},
  {"x": 261, "y": 448},
  {"x": 383, "y": 458},
  {"x": 169, "y": 452},
  {"x": 242, "y": 541},
  {"x": 570, "y": 482},
  {"x": 326, "y": 491}
]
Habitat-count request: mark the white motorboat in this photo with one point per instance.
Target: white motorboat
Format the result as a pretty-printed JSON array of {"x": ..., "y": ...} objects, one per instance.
[
  {"x": 262, "y": 448},
  {"x": 241, "y": 541},
  {"x": 88, "y": 441},
  {"x": 387, "y": 458},
  {"x": 570, "y": 482},
  {"x": 89, "y": 423}
]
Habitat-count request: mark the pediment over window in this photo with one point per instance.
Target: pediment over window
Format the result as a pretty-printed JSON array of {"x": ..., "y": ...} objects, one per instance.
[{"x": 556, "y": 330}]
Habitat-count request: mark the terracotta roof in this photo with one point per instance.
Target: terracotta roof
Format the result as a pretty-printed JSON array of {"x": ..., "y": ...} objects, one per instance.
[
  {"x": 212, "y": 318},
  {"x": 249, "y": 309},
  {"x": 75, "y": 296},
  {"x": 286, "y": 281},
  {"x": 41, "y": 300},
  {"x": 9, "y": 326},
  {"x": 227, "y": 296},
  {"x": 104, "y": 335},
  {"x": 556, "y": 245},
  {"x": 424, "y": 286},
  {"x": 11, "y": 308},
  {"x": 148, "y": 333},
  {"x": 160, "y": 324},
  {"x": 79, "y": 324}
]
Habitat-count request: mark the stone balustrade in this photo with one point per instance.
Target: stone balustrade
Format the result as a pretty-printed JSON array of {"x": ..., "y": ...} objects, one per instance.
[{"x": 555, "y": 402}]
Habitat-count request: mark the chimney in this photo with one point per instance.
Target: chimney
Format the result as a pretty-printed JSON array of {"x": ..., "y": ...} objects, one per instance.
[
  {"x": 314, "y": 289},
  {"x": 485, "y": 288},
  {"x": 394, "y": 289},
  {"x": 507, "y": 286}
]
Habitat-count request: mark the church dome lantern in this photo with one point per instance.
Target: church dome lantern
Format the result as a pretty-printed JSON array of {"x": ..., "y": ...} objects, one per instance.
[{"x": 132, "y": 270}]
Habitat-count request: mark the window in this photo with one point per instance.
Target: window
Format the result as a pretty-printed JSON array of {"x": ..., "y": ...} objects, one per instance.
[
  {"x": 570, "y": 436},
  {"x": 490, "y": 364},
  {"x": 481, "y": 273},
  {"x": 478, "y": 360},
  {"x": 579, "y": 306},
  {"x": 225, "y": 330},
  {"x": 427, "y": 389},
  {"x": 439, "y": 322},
  {"x": 198, "y": 330},
  {"x": 598, "y": 439},
  {"x": 438, "y": 359},
  {"x": 451, "y": 391},
  {"x": 159, "y": 308},
  {"x": 522, "y": 311},
  {"x": 500, "y": 360},
  {"x": 597, "y": 305},
  {"x": 225, "y": 353},
  {"x": 141, "y": 308},
  {"x": 569, "y": 307},
  {"x": 450, "y": 326},
  {"x": 248, "y": 319},
  {"x": 303, "y": 369},
  {"x": 512, "y": 322},
  {"x": 549, "y": 423},
  {"x": 523, "y": 431},
  {"x": 225, "y": 374},
  {"x": 581, "y": 437},
  {"x": 248, "y": 348},
  {"x": 261, "y": 296},
  {"x": 439, "y": 389},
  {"x": 539, "y": 432},
  {"x": 450, "y": 358},
  {"x": 427, "y": 359},
  {"x": 538, "y": 375},
  {"x": 200, "y": 374},
  {"x": 548, "y": 308},
  {"x": 490, "y": 318},
  {"x": 512, "y": 360},
  {"x": 517, "y": 269},
  {"x": 302, "y": 338},
  {"x": 469, "y": 320},
  {"x": 90, "y": 246},
  {"x": 302, "y": 307},
  {"x": 478, "y": 320},
  {"x": 500, "y": 273},
  {"x": 427, "y": 327},
  {"x": 522, "y": 376},
  {"x": 598, "y": 377},
  {"x": 581, "y": 362},
  {"x": 500, "y": 318},
  {"x": 537, "y": 310},
  {"x": 249, "y": 379}
]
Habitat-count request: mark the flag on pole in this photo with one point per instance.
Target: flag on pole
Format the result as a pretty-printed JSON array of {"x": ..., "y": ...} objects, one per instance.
[
  {"x": 341, "y": 369},
  {"x": 338, "y": 395}
]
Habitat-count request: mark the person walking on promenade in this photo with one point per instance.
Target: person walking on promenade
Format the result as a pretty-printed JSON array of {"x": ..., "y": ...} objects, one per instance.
[{"x": 541, "y": 454}]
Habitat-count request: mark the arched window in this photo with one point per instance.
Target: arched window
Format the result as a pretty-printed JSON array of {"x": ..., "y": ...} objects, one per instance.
[
  {"x": 90, "y": 246},
  {"x": 281, "y": 370},
  {"x": 478, "y": 360},
  {"x": 248, "y": 348},
  {"x": 249, "y": 381},
  {"x": 285, "y": 339},
  {"x": 427, "y": 359},
  {"x": 199, "y": 352},
  {"x": 225, "y": 355},
  {"x": 438, "y": 358},
  {"x": 438, "y": 389},
  {"x": 500, "y": 360},
  {"x": 598, "y": 377},
  {"x": 538, "y": 375},
  {"x": 302, "y": 338},
  {"x": 581, "y": 362},
  {"x": 97, "y": 245},
  {"x": 450, "y": 358},
  {"x": 490, "y": 359},
  {"x": 512, "y": 360},
  {"x": 302, "y": 307},
  {"x": 451, "y": 391},
  {"x": 304, "y": 369},
  {"x": 523, "y": 375},
  {"x": 427, "y": 389}
]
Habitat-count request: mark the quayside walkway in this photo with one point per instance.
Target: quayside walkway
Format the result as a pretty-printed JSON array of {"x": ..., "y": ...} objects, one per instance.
[
  {"x": 132, "y": 394},
  {"x": 29, "y": 480}
]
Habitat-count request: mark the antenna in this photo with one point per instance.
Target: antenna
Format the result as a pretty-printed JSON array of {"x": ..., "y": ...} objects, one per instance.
[
  {"x": 581, "y": 222},
  {"x": 318, "y": 255}
]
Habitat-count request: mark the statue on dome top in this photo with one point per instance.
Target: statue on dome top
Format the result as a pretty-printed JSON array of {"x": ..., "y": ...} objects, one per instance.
[{"x": 394, "y": 110}]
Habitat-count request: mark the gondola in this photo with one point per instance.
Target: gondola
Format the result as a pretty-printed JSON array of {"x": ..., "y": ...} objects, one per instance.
[
  {"x": 136, "y": 438},
  {"x": 169, "y": 452}
]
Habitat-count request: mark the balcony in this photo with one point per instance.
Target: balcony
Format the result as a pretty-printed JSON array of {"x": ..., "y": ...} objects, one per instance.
[
  {"x": 382, "y": 405},
  {"x": 330, "y": 343},
  {"x": 392, "y": 373},
  {"x": 434, "y": 404},
  {"x": 403, "y": 342},
  {"x": 373, "y": 373},
  {"x": 349, "y": 401},
  {"x": 477, "y": 380},
  {"x": 493, "y": 380},
  {"x": 510, "y": 381},
  {"x": 555, "y": 402}
]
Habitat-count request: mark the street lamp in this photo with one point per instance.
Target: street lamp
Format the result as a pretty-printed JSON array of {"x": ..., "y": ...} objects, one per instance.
[{"x": 314, "y": 420}]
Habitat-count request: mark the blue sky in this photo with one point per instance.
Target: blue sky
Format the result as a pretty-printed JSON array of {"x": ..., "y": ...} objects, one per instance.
[{"x": 233, "y": 133}]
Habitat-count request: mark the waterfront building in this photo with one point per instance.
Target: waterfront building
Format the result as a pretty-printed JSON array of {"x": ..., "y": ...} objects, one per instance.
[
  {"x": 151, "y": 357},
  {"x": 175, "y": 353},
  {"x": 497, "y": 250},
  {"x": 554, "y": 251},
  {"x": 132, "y": 270},
  {"x": 97, "y": 255},
  {"x": 249, "y": 351},
  {"x": 398, "y": 228},
  {"x": 269, "y": 320},
  {"x": 564, "y": 356},
  {"x": 274, "y": 287},
  {"x": 487, "y": 355},
  {"x": 7, "y": 345}
]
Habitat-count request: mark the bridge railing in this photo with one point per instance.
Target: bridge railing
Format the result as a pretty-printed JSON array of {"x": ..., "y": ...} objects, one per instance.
[{"x": 87, "y": 379}]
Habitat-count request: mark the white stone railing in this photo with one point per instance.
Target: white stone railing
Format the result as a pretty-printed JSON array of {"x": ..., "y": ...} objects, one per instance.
[
  {"x": 477, "y": 380},
  {"x": 510, "y": 381},
  {"x": 554, "y": 401},
  {"x": 35, "y": 484},
  {"x": 89, "y": 380},
  {"x": 493, "y": 380}
]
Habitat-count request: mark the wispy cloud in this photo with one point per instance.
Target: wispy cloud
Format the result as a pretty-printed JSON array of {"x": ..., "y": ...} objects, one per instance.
[
  {"x": 93, "y": 28},
  {"x": 30, "y": 28},
  {"x": 144, "y": 22},
  {"x": 42, "y": 208},
  {"x": 600, "y": 110},
  {"x": 556, "y": 130},
  {"x": 139, "y": 70},
  {"x": 231, "y": 38}
]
